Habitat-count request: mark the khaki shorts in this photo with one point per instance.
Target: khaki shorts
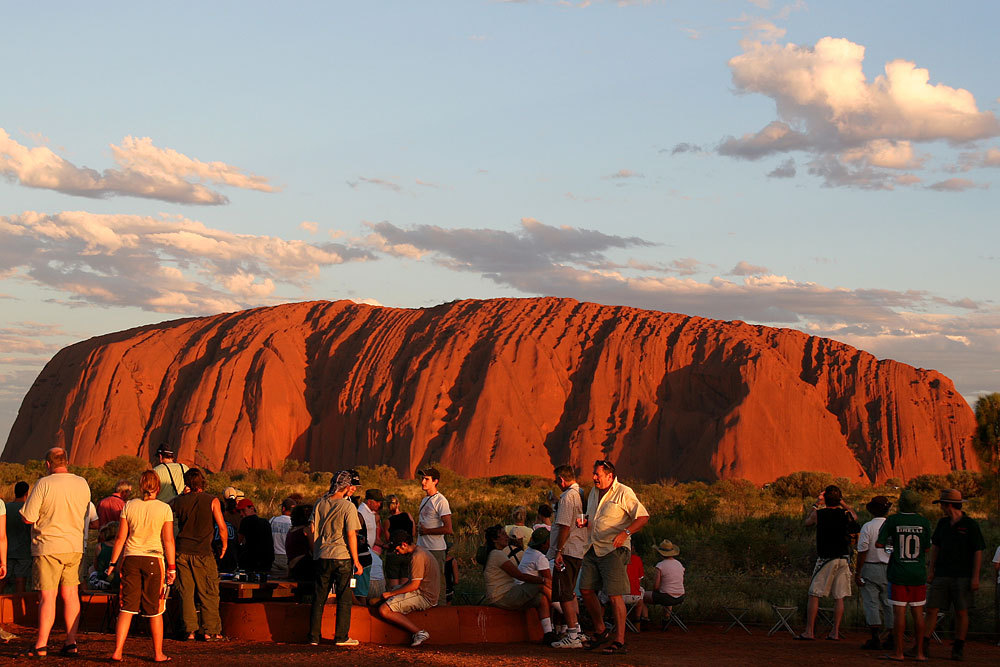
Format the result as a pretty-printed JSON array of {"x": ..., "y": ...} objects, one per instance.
[
  {"x": 520, "y": 597},
  {"x": 407, "y": 602},
  {"x": 608, "y": 573},
  {"x": 564, "y": 581},
  {"x": 54, "y": 570},
  {"x": 831, "y": 578}
]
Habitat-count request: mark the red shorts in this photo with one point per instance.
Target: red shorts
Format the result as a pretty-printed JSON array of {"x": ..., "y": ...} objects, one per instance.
[{"x": 907, "y": 596}]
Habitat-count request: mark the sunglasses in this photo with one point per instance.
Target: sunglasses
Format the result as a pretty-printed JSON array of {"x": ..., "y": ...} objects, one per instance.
[{"x": 607, "y": 465}]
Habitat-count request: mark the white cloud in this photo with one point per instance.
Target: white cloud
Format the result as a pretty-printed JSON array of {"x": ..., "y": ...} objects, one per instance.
[
  {"x": 166, "y": 264},
  {"x": 308, "y": 226},
  {"x": 145, "y": 171},
  {"x": 854, "y": 128},
  {"x": 748, "y": 269}
]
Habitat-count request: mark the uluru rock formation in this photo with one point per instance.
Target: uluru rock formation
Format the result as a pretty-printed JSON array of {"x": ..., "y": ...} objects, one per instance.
[{"x": 494, "y": 387}]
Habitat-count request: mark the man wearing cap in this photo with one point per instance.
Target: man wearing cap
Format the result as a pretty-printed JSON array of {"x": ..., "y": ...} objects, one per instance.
[
  {"x": 614, "y": 514},
  {"x": 333, "y": 527},
  {"x": 870, "y": 575},
  {"x": 953, "y": 571},
  {"x": 905, "y": 537},
  {"x": 420, "y": 592},
  {"x": 170, "y": 472},
  {"x": 567, "y": 544},
  {"x": 434, "y": 522},
  {"x": 256, "y": 544}
]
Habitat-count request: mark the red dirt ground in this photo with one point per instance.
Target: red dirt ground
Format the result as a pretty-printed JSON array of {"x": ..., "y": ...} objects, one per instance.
[{"x": 701, "y": 645}]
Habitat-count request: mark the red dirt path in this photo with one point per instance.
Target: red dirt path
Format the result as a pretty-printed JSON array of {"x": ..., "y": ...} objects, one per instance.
[{"x": 701, "y": 645}]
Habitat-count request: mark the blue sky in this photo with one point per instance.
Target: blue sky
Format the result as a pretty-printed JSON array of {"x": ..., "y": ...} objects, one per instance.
[{"x": 823, "y": 166}]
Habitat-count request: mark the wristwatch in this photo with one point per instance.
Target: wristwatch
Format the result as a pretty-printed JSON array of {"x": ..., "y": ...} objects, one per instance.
[{"x": 628, "y": 532}]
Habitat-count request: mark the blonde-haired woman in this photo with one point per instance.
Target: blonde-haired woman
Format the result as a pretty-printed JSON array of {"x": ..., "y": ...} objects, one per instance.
[{"x": 145, "y": 538}]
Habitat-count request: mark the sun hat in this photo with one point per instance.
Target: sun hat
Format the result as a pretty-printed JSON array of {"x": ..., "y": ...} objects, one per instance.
[
  {"x": 667, "y": 548},
  {"x": 950, "y": 496},
  {"x": 878, "y": 504}
]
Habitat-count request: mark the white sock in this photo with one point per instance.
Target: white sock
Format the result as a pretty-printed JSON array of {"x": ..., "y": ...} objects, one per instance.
[
  {"x": 546, "y": 625},
  {"x": 574, "y": 630}
]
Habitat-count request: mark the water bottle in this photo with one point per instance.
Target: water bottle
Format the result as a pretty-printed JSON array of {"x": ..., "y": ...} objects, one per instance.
[{"x": 889, "y": 548}]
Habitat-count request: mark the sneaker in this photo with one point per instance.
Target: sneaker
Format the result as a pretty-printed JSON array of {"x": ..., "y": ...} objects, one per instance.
[
  {"x": 419, "y": 637},
  {"x": 568, "y": 641},
  {"x": 348, "y": 642},
  {"x": 549, "y": 637}
]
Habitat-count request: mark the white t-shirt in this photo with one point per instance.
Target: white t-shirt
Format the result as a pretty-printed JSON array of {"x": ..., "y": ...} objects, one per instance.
[
  {"x": 432, "y": 509},
  {"x": 996, "y": 559},
  {"x": 569, "y": 507},
  {"x": 868, "y": 538},
  {"x": 532, "y": 562},
  {"x": 58, "y": 507},
  {"x": 91, "y": 518},
  {"x": 370, "y": 521},
  {"x": 497, "y": 581},
  {"x": 145, "y": 525},
  {"x": 280, "y": 525},
  {"x": 671, "y": 577}
]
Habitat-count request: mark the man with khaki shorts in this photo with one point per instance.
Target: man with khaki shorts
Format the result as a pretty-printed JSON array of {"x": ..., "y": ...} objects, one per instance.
[
  {"x": 57, "y": 509},
  {"x": 419, "y": 593},
  {"x": 614, "y": 514}
]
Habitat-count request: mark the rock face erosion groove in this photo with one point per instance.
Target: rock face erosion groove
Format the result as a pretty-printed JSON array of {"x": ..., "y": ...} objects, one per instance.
[{"x": 495, "y": 387}]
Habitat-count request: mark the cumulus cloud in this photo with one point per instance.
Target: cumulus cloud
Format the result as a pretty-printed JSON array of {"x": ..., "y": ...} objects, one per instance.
[
  {"x": 144, "y": 171},
  {"x": 855, "y": 129},
  {"x": 308, "y": 226},
  {"x": 164, "y": 264}
]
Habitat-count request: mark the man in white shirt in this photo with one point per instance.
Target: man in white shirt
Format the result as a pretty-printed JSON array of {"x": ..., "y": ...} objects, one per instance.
[
  {"x": 567, "y": 545},
  {"x": 280, "y": 525},
  {"x": 870, "y": 576},
  {"x": 368, "y": 511},
  {"x": 614, "y": 514},
  {"x": 170, "y": 472},
  {"x": 57, "y": 508},
  {"x": 434, "y": 522}
]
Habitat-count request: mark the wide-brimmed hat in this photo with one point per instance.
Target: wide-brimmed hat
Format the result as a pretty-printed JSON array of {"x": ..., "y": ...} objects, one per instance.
[
  {"x": 878, "y": 505},
  {"x": 539, "y": 536},
  {"x": 950, "y": 496},
  {"x": 667, "y": 548}
]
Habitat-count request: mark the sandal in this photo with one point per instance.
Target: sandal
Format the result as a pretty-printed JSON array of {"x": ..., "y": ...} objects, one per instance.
[
  {"x": 69, "y": 649},
  {"x": 597, "y": 639},
  {"x": 615, "y": 648},
  {"x": 37, "y": 652}
]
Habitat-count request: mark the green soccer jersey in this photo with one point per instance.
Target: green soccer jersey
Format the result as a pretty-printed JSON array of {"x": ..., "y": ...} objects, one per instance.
[{"x": 909, "y": 537}]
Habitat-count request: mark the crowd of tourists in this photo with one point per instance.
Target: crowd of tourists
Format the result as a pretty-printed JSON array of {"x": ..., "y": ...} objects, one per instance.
[{"x": 576, "y": 559}]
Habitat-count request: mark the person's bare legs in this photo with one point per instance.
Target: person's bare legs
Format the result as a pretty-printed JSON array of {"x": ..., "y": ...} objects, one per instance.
[
  {"x": 593, "y": 605},
  {"x": 618, "y": 609},
  {"x": 71, "y": 611},
  {"x": 156, "y": 630},
  {"x": 899, "y": 627},
  {"x": 397, "y": 619},
  {"x": 571, "y": 613},
  {"x": 838, "y": 614},
  {"x": 812, "y": 608},
  {"x": 918, "y": 630},
  {"x": 961, "y": 624},
  {"x": 930, "y": 622},
  {"x": 121, "y": 632},
  {"x": 46, "y": 616}
]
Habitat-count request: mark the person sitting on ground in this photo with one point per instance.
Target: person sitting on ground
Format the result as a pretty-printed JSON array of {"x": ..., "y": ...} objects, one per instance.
[
  {"x": 145, "y": 539},
  {"x": 870, "y": 576},
  {"x": 500, "y": 575},
  {"x": 280, "y": 525},
  {"x": 534, "y": 563},
  {"x": 396, "y": 566},
  {"x": 110, "y": 508},
  {"x": 544, "y": 517},
  {"x": 97, "y": 577},
  {"x": 517, "y": 531},
  {"x": 420, "y": 592},
  {"x": 668, "y": 584},
  {"x": 18, "y": 540},
  {"x": 835, "y": 522},
  {"x": 256, "y": 544}
]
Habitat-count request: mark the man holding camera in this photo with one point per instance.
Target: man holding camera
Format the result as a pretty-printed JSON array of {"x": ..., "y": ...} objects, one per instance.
[{"x": 835, "y": 522}]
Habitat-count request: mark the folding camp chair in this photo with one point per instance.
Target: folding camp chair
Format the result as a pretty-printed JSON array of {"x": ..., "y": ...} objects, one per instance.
[
  {"x": 672, "y": 617},
  {"x": 737, "y": 614},
  {"x": 629, "y": 607},
  {"x": 783, "y": 614}
]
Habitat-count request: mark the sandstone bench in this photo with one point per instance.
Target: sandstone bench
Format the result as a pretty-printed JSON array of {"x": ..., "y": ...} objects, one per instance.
[{"x": 288, "y": 622}]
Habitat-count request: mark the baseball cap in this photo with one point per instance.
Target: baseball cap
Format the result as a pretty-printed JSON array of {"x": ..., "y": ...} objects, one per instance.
[
  {"x": 243, "y": 503},
  {"x": 344, "y": 478},
  {"x": 429, "y": 472},
  {"x": 165, "y": 450},
  {"x": 374, "y": 494}
]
